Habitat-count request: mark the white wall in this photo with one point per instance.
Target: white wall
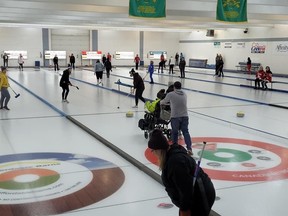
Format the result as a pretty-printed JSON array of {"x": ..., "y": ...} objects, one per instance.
[
  {"x": 193, "y": 45},
  {"x": 118, "y": 41},
  {"x": 72, "y": 41},
  {"x": 197, "y": 45},
  {"x": 26, "y": 39},
  {"x": 160, "y": 41},
  {"x": 129, "y": 41}
]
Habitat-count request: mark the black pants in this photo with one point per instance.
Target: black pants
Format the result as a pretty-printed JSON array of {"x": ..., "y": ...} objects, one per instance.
[
  {"x": 56, "y": 67},
  {"x": 99, "y": 75},
  {"x": 138, "y": 95},
  {"x": 108, "y": 72},
  {"x": 257, "y": 82},
  {"x": 171, "y": 69},
  {"x": 182, "y": 72},
  {"x": 72, "y": 65},
  {"x": 161, "y": 65},
  {"x": 136, "y": 66},
  {"x": 65, "y": 91},
  {"x": 21, "y": 66}
]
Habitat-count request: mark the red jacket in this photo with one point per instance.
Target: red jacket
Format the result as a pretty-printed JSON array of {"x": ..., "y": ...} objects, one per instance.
[
  {"x": 137, "y": 59},
  {"x": 260, "y": 74},
  {"x": 268, "y": 76}
]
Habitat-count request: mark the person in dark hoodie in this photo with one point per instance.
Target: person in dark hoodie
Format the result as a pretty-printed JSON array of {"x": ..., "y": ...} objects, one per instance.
[
  {"x": 139, "y": 86},
  {"x": 178, "y": 173},
  {"x": 65, "y": 83},
  {"x": 179, "y": 114}
]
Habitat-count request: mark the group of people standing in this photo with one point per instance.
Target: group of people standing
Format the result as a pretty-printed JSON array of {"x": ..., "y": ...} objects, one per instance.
[
  {"x": 72, "y": 61},
  {"x": 20, "y": 61},
  {"x": 219, "y": 64},
  {"x": 100, "y": 66},
  {"x": 263, "y": 77},
  {"x": 173, "y": 61}
]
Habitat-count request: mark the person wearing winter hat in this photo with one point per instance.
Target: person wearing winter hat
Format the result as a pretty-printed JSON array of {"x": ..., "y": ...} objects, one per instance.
[
  {"x": 138, "y": 87},
  {"x": 178, "y": 170},
  {"x": 179, "y": 114},
  {"x": 65, "y": 83}
]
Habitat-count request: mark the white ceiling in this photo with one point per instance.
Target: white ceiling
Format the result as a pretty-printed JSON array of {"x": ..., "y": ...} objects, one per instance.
[{"x": 182, "y": 15}]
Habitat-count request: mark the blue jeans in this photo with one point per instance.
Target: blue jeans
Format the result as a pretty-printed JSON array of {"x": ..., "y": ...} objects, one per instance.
[
  {"x": 181, "y": 123},
  {"x": 5, "y": 97},
  {"x": 151, "y": 77}
]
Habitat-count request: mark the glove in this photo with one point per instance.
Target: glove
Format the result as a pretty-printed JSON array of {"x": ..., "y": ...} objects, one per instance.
[{"x": 185, "y": 213}]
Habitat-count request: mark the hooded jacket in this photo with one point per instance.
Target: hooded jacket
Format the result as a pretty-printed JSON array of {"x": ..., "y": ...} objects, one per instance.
[
  {"x": 178, "y": 102},
  {"x": 138, "y": 82},
  {"x": 177, "y": 177}
]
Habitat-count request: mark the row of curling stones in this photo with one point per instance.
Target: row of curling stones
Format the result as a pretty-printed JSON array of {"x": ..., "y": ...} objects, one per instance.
[{"x": 240, "y": 114}]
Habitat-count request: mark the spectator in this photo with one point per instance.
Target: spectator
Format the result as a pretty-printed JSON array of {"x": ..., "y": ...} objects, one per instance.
[
  {"x": 178, "y": 174},
  {"x": 109, "y": 57},
  {"x": 161, "y": 63},
  {"x": 104, "y": 59},
  {"x": 259, "y": 77},
  {"x": 182, "y": 65},
  {"x": 72, "y": 61},
  {"x": 220, "y": 66},
  {"x": 177, "y": 59},
  {"x": 108, "y": 67},
  {"x": 136, "y": 61},
  {"x": 249, "y": 63},
  {"x": 179, "y": 114},
  {"x": 55, "y": 62},
  {"x": 217, "y": 64},
  {"x": 4, "y": 85},
  {"x": 171, "y": 65},
  {"x": 266, "y": 78},
  {"x": 5, "y": 60}
]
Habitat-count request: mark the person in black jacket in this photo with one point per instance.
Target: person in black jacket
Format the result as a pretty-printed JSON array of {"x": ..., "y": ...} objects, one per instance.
[
  {"x": 65, "y": 83},
  {"x": 55, "y": 61},
  {"x": 182, "y": 65},
  {"x": 178, "y": 170},
  {"x": 108, "y": 67},
  {"x": 72, "y": 61},
  {"x": 139, "y": 86}
]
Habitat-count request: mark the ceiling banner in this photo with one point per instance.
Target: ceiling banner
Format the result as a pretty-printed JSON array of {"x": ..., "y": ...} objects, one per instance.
[
  {"x": 147, "y": 8},
  {"x": 232, "y": 10}
]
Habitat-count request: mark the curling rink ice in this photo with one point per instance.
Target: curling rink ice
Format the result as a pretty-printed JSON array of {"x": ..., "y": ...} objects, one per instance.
[{"x": 52, "y": 166}]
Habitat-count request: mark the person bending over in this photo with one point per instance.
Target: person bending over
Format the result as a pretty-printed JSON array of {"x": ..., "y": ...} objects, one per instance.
[
  {"x": 65, "y": 83},
  {"x": 178, "y": 174}
]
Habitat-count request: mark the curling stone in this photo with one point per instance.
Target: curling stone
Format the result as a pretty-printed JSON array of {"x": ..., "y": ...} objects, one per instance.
[
  {"x": 129, "y": 114},
  {"x": 240, "y": 114}
]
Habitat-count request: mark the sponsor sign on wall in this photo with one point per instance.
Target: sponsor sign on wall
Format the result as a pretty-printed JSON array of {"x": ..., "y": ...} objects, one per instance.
[
  {"x": 157, "y": 54},
  {"x": 280, "y": 48},
  {"x": 49, "y": 54},
  {"x": 86, "y": 55},
  {"x": 258, "y": 47},
  {"x": 124, "y": 55}
]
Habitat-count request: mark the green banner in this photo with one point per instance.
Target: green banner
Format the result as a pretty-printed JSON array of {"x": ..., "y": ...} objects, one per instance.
[
  {"x": 147, "y": 8},
  {"x": 232, "y": 10}
]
